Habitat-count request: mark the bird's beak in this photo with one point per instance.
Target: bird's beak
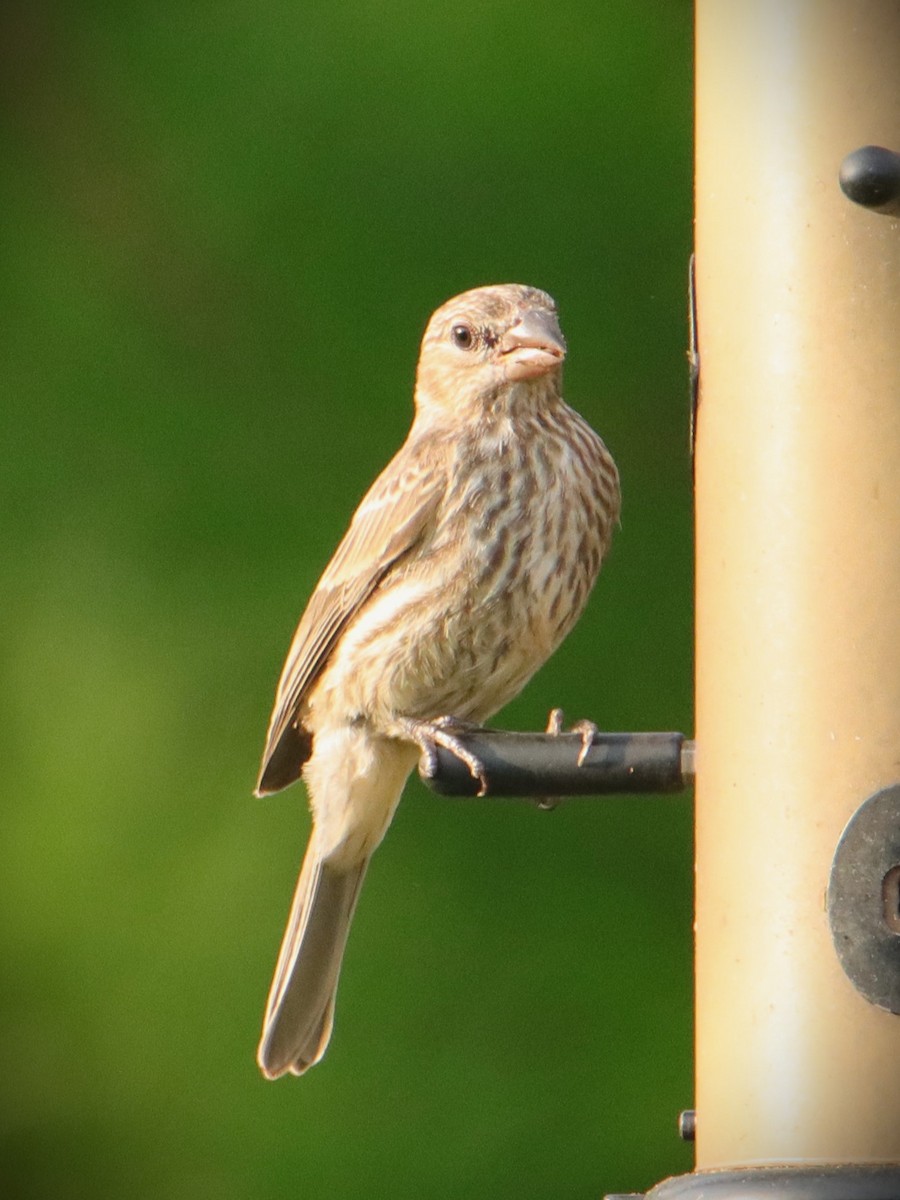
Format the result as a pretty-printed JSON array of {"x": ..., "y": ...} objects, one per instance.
[{"x": 533, "y": 346}]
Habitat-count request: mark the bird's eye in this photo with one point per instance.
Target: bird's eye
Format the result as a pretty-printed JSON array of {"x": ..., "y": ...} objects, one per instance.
[{"x": 463, "y": 336}]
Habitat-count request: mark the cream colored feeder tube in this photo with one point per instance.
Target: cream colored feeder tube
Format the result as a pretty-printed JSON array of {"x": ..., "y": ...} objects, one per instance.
[{"x": 798, "y": 571}]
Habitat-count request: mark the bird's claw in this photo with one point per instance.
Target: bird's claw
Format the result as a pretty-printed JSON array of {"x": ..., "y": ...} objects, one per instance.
[
  {"x": 554, "y": 728},
  {"x": 555, "y": 722},
  {"x": 443, "y": 731},
  {"x": 588, "y": 731},
  {"x": 586, "y": 728}
]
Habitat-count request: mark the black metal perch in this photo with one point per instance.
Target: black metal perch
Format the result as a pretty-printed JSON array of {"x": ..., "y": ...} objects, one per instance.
[{"x": 546, "y": 765}]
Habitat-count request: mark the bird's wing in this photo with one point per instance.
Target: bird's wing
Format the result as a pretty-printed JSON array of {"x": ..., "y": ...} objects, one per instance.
[{"x": 390, "y": 521}]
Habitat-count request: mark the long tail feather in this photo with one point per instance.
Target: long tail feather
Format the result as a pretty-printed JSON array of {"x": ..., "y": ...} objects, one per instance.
[{"x": 300, "y": 1008}]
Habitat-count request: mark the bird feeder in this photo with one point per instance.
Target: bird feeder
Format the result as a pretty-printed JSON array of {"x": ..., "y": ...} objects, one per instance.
[{"x": 797, "y": 751}]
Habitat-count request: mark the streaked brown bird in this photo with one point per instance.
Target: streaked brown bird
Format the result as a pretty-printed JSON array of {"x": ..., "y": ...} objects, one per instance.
[{"x": 464, "y": 567}]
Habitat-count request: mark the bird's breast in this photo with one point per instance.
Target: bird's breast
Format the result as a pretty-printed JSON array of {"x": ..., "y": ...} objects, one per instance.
[{"x": 491, "y": 591}]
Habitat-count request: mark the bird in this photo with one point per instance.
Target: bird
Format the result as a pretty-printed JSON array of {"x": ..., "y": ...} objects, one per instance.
[{"x": 464, "y": 566}]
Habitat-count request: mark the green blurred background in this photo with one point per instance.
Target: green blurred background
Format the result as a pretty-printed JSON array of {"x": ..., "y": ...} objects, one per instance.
[{"x": 224, "y": 226}]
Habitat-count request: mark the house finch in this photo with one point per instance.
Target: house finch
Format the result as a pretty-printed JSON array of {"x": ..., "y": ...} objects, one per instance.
[{"x": 466, "y": 564}]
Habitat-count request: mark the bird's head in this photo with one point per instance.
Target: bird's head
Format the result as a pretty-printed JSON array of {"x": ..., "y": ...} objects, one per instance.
[{"x": 487, "y": 345}]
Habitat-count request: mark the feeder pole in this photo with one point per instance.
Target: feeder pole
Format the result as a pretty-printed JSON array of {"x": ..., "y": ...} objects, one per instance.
[{"x": 798, "y": 576}]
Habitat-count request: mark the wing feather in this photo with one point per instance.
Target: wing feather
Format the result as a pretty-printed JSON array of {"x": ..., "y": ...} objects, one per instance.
[{"x": 389, "y": 523}]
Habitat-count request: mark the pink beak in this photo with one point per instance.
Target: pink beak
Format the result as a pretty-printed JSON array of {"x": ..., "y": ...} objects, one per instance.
[{"x": 533, "y": 346}]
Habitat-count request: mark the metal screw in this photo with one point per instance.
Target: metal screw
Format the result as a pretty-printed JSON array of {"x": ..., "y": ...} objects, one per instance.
[
  {"x": 687, "y": 1125},
  {"x": 870, "y": 176}
]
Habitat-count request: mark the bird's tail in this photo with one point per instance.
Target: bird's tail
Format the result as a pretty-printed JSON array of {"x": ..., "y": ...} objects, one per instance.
[{"x": 300, "y": 1009}]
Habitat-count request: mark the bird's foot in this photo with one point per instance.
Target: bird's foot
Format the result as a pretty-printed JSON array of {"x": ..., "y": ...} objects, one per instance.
[
  {"x": 444, "y": 732},
  {"x": 587, "y": 729}
]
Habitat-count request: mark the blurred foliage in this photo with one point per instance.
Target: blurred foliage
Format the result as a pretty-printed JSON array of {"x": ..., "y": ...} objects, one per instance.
[{"x": 224, "y": 226}]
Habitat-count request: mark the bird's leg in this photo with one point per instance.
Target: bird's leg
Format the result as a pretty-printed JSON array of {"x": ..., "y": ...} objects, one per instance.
[
  {"x": 587, "y": 729},
  {"x": 442, "y": 731}
]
